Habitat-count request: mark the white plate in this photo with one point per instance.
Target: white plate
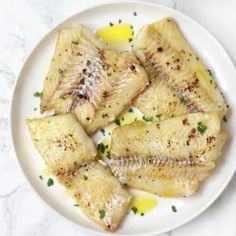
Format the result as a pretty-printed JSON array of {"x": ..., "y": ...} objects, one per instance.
[{"x": 162, "y": 218}]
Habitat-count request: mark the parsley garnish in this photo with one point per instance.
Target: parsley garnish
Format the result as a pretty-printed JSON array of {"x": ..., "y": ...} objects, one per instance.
[
  {"x": 101, "y": 147},
  {"x": 201, "y": 127},
  {"x": 38, "y": 94},
  {"x": 102, "y": 214},
  {"x": 88, "y": 62},
  {"x": 108, "y": 155},
  {"x": 174, "y": 209},
  {"x": 131, "y": 110},
  {"x": 60, "y": 71},
  {"x": 111, "y": 24},
  {"x": 85, "y": 177},
  {"x": 225, "y": 119},
  {"x": 119, "y": 21},
  {"x": 50, "y": 182},
  {"x": 130, "y": 39},
  {"x": 75, "y": 42},
  {"x": 147, "y": 119},
  {"x": 158, "y": 116},
  {"x": 102, "y": 131},
  {"x": 134, "y": 209},
  {"x": 142, "y": 214},
  {"x": 117, "y": 122}
]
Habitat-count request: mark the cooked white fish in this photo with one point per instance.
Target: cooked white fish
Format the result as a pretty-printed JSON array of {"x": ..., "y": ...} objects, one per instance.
[
  {"x": 87, "y": 78},
  {"x": 99, "y": 194},
  {"x": 179, "y": 137},
  {"x": 176, "y": 71},
  {"x": 70, "y": 154},
  {"x": 62, "y": 142},
  {"x": 169, "y": 158}
]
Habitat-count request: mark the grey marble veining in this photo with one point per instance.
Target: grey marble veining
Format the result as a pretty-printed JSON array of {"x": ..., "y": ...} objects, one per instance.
[{"x": 22, "y": 24}]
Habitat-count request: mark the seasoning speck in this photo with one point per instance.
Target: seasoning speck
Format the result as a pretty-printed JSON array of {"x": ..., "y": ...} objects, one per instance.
[
  {"x": 102, "y": 131},
  {"x": 85, "y": 177},
  {"x": 135, "y": 13},
  {"x": 41, "y": 177},
  {"x": 111, "y": 24},
  {"x": 88, "y": 63},
  {"x": 60, "y": 71},
  {"x": 50, "y": 182},
  {"x": 201, "y": 127},
  {"x": 76, "y": 205},
  {"x": 174, "y": 209},
  {"x": 117, "y": 122},
  {"x": 225, "y": 119},
  {"x": 147, "y": 119},
  {"x": 131, "y": 110},
  {"x": 134, "y": 209},
  {"x": 102, "y": 214},
  {"x": 38, "y": 94}
]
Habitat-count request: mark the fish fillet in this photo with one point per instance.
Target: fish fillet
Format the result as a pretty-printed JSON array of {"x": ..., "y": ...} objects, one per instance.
[
  {"x": 169, "y": 158},
  {"x": 99, "y": 194},
  {"x": 178, "y": 75},
  {"x": 62, "y": 142},
  {"x": 176, "y": 137},
  {"x": 70, "y": 154},
  {"x": 91, "y": 80}
]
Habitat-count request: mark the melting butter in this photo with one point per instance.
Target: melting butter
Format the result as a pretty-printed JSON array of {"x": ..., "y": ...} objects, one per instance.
[
  {"x": 143, "y": 203},
  {"x": 46, "y": 171},
  {"x": 116, "y": 34}
]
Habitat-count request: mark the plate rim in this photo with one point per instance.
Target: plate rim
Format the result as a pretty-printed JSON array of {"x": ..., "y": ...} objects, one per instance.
[{"x": 206, "y": 205}]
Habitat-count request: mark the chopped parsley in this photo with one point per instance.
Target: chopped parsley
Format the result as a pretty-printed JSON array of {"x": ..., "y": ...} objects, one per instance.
[
  {"x": 75, "y": 42},
  {"x": 111, "y": 24},
  {"x": 182, "y": 100},
  {"x": 102, "y": 214},
  {"x": 88, "y": 63},
  {"x": 38, "y": 94},
  {"x": 60, "y": 71},
  {"x": 134, "y": 210},
  {"x": 131, "y": 110},
  {"x": 76, "y": 205},
  {"x": 117, "y": 122},
  {"x": 135, "y": 13},
  {"x": 119, "y": 21},
  {"x": 158, "y": 116},
  {"x": 142, "y": 214},
  {"x": 85, "y": 177},
  {"x": 108, "y": 155},
  {"x": 108, "y": 74},
  {"x": 201, "y": 127},
  {"x": 102, "y": 131},
  {"x": 225, "y": 119},
  {"x": 50, "y": 182},
  {"x": 101, "y": 147},
  {"x": 174, "y": 209},
  {"x": 130, "y": 39},
  {"x": 147, "y": 119},
  {"x": 41, "y": 177}
]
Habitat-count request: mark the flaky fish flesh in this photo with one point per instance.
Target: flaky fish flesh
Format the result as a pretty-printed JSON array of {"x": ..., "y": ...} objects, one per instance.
[
  {"x": 170, "y": 157},
  {"x": 89, "y": 79},
  {"x": 180, "y": 82}
]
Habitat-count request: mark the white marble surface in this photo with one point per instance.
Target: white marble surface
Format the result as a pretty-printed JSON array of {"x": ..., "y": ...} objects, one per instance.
[{"x": 22, "y": 24}]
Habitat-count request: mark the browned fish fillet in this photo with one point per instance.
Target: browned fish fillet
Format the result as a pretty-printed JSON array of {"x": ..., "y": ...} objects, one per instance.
[
  {"x": 87, "y": 78},
  {"x": 181, "y": 83}
]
